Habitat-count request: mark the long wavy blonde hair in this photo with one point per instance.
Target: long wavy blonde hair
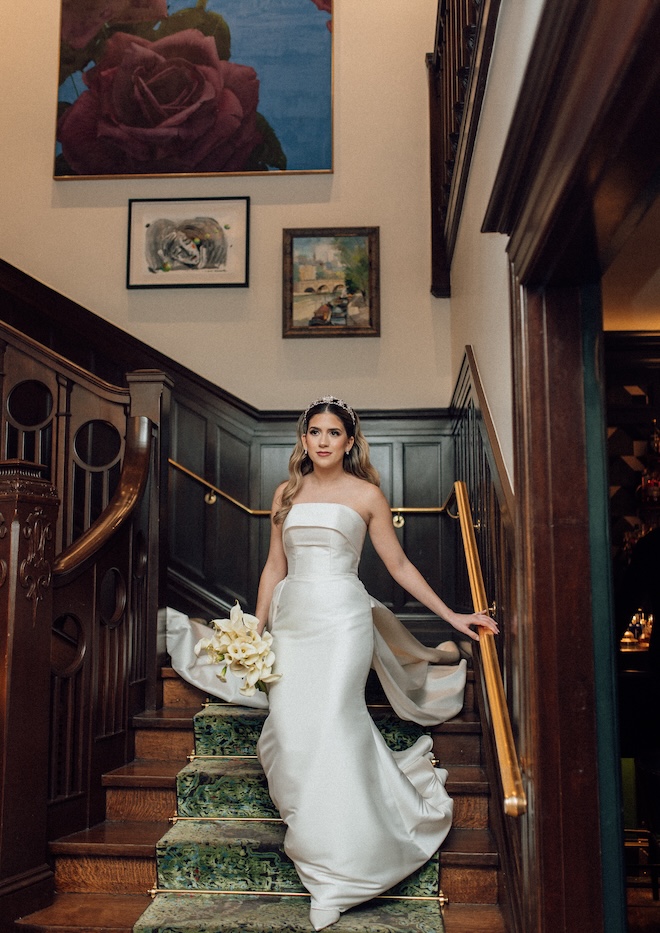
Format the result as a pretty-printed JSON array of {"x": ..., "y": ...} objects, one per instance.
[{"x": 357, "y": 460}]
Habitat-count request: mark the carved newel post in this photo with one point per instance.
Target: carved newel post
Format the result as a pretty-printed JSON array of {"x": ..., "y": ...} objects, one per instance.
[{"x": 28, "y": 514}]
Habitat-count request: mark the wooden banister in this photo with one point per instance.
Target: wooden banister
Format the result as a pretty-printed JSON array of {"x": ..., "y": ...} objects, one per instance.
[{"x": 134, "y": 476}]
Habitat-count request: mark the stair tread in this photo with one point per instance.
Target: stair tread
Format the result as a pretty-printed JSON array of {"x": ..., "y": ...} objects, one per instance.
[
  {"x": 279, "y": 913},
  {"x": 467, "y": 779},
  {"x": 466, "y": 721},
  {"x": 168, "y": 717},
  {"x": 121, "y": 838},
  {"x": 469, "y": 847},
  {"x": 87, "y": 913},
  {"x": 248, "y": 856},
  {"x": 144, "y": 772},
  {"x": 462, "y": 779}
]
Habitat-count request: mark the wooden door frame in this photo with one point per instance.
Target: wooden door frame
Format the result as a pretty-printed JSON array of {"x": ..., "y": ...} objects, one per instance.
[{"x": 580, "y": 167}]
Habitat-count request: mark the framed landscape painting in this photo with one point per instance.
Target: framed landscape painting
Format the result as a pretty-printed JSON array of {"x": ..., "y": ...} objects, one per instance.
[
  {"x": 188, "y": 243},
  {"x": 163, "y": 88},
  {"x": 331, "y": 282}
]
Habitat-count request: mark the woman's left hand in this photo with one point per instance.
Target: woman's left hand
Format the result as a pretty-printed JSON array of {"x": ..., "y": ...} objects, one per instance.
[{"x": 463, "y": 622}]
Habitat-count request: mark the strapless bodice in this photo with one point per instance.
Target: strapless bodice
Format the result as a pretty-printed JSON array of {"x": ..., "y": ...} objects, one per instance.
[{"x": 323, "y": 538}]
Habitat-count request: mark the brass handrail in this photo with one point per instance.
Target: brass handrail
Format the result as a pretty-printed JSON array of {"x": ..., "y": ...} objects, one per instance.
[
  {"x": 515, "y": 800},
  {"x": 214, "y": 491}
]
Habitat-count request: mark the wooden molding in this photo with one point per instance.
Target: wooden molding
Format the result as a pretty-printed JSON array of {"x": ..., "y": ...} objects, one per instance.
[{"x": 580, "y": 162}]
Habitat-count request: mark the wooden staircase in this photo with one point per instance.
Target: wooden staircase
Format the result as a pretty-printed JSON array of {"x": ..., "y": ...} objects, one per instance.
[{"x": 103, "y": 874}]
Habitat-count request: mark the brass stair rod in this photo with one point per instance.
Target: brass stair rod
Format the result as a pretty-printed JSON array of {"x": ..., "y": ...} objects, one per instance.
[
  {"x": 395, "y": 511},
  {"x": 515, "y": 801}
]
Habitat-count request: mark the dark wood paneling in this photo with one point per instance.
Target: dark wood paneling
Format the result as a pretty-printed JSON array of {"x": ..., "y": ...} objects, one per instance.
[{"x": 411, "y": 454}]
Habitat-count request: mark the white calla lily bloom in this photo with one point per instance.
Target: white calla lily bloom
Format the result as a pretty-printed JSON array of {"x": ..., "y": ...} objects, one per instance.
[{"x": 237, "y": 646}]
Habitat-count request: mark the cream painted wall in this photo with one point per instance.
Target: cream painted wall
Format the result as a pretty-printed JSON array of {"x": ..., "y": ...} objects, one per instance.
[
  {"x": 479, "y": 277},
  {"x": 72, "y": 234}
]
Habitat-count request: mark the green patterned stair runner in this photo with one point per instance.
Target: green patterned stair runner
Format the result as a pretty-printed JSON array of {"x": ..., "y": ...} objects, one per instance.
[
  {"x": 248, "y": 856},
  {"x": 234, "y": 730},
  {"x": 227, "y": 837},
  {"x": 224, "y": 788},
  {"x": 202, "y": 913}
]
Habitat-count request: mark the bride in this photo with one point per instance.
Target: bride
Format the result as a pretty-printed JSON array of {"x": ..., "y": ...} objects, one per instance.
[{"x": 359, "y": 818}]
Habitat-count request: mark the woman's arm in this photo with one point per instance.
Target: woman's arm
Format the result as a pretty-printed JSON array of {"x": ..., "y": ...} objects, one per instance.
[
  {"x": 386, "y": 543},
  {"x": 275, "y": 567}
]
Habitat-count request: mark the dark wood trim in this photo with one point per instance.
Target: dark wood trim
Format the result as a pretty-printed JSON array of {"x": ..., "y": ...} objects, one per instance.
[
  {"x": 627, "y": 349},
  {"x": 586, "y": 128},
  {"x": 440, "y": 265},
  {"x": 563, "y": 882}
]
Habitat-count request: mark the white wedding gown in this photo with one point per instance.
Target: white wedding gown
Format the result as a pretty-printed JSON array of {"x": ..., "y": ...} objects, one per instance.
[{"x": 359, "y": 818}]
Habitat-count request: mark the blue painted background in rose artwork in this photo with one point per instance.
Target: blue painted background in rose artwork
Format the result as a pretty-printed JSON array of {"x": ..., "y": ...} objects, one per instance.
[{"x": 288, "y": 44}]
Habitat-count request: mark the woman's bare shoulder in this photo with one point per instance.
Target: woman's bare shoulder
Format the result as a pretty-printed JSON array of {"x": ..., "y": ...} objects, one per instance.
[{"x": 369, "y": 496}]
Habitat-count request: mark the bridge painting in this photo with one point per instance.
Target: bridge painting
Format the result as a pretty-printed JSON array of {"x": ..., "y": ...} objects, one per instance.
[{"x": 330, "y": 280}]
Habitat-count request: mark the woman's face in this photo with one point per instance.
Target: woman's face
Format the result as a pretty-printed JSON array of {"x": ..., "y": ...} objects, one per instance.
[{"x": 326, "y": 440}]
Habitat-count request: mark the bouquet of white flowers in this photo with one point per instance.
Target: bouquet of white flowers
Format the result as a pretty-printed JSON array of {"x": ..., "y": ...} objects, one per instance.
[{"x": 236, "y": 644}]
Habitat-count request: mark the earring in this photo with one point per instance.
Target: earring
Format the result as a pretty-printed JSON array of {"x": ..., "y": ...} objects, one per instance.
[{"x": 304, "y": 452}]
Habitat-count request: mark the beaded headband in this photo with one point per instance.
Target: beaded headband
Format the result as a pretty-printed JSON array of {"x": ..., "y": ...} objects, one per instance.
[{"x": 331, "y": 400}]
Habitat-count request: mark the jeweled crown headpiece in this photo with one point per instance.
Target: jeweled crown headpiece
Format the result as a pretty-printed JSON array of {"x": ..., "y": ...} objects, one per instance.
[{"x": 331, "y": 400}]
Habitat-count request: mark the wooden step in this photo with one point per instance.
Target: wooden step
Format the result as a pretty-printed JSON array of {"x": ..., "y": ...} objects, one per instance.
[
  {"x": 470, "y": 791},
  {"x": 208, "y": 913},
  {"x": 473, "y": 918},
  {"x": 87, "y": 913},
  {"x": 144, "y": 789},
  {"x": 117, "y": 913},
  {"x": 110, "y": 857},
  {"x": 177, "y": 692},
  {"x": 469, "y": 867},
  {"x": 458, "y": 741},
  {"x": 165, "y": 733}
]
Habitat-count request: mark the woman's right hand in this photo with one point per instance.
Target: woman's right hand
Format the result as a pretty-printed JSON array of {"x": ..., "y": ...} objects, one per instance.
[{"x": 463, "y": 622}]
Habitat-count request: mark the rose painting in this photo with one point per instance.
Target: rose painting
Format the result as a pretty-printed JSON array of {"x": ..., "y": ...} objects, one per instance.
[{"x": 194, "y": 87}]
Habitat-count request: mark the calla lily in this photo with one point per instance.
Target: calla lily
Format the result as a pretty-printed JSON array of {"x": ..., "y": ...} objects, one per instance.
[{"x": 237, "y": 645}]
